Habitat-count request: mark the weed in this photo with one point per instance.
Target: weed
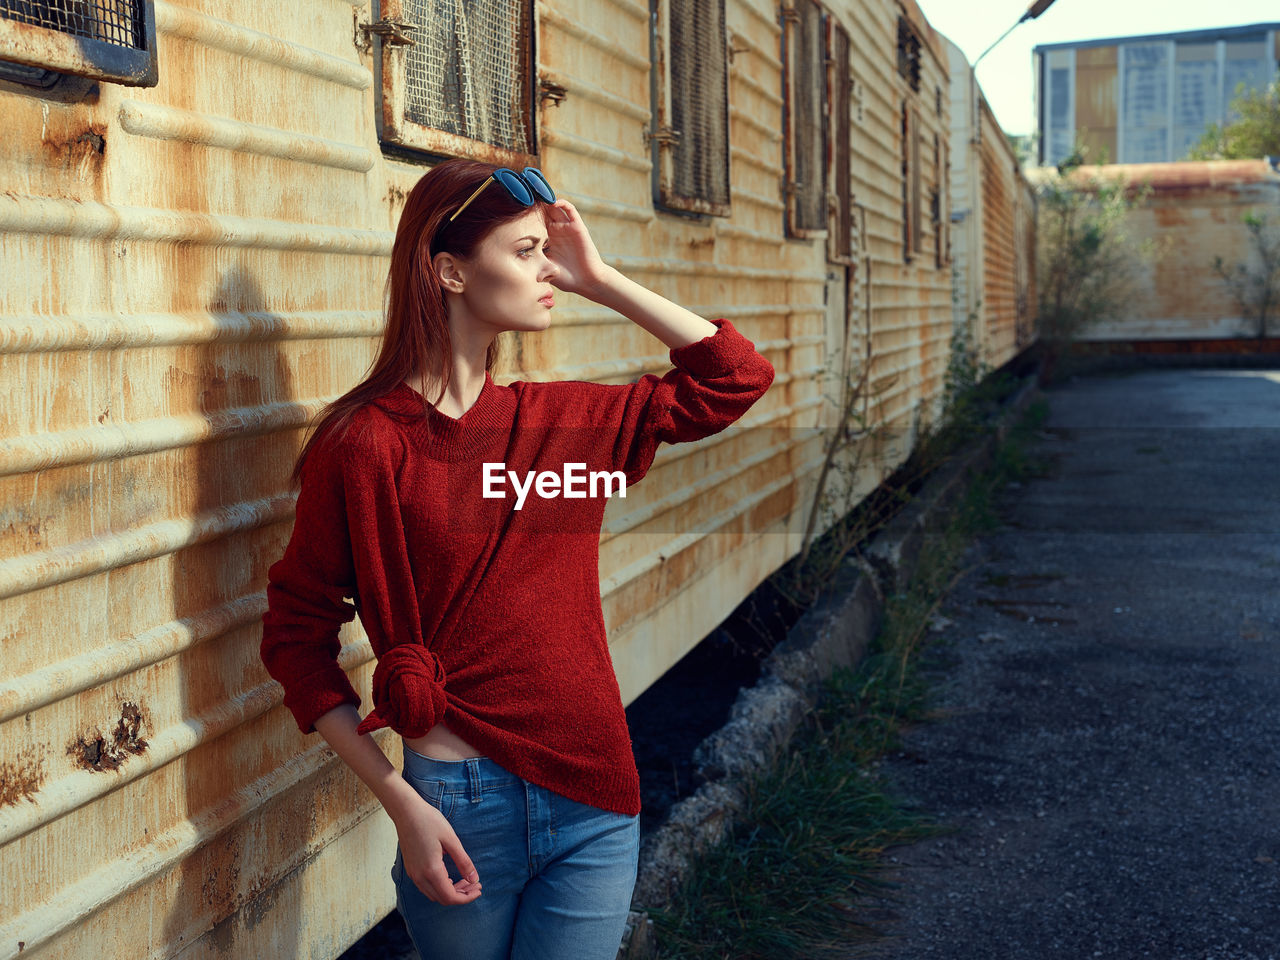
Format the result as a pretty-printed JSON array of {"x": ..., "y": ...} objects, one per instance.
[{"x": 809, "y": 844}]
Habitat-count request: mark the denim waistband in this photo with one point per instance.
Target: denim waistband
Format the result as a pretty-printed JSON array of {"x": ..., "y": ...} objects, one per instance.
[{"x": 469, "y": 778}]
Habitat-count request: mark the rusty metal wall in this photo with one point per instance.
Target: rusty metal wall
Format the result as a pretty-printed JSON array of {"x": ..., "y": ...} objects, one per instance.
[
  {"x": 998, "y": 252},
  {"x": 965, "y": 188},
  {"x": 1193, "y": 214},
  {"x": 908, "y": 303},
  {"x": 192, "y": 271},
  {"x": 994, "y": 231}
]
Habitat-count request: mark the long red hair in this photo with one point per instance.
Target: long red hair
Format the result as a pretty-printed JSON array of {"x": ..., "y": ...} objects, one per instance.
[{"x": 416, "y": 337}]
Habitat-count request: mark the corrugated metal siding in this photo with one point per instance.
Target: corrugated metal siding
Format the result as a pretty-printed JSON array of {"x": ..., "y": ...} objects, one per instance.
[
  {"x": 187, "y": 258},
  {"x": 194, "y": 269},
  {"x": 679, "y": 568},
  {"x": 966, "y": 207},
  {"x": 994, "y": 241},
  {"x": 910, "y": 303},
  {"x": 998, "y": 286}
]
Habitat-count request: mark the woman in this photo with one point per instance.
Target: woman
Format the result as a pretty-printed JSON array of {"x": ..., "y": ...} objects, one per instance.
[{"x": 483, "y": 607}]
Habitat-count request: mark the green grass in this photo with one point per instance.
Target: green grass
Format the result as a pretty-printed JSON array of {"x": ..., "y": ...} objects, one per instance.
[{"x": 811, "y": 841}]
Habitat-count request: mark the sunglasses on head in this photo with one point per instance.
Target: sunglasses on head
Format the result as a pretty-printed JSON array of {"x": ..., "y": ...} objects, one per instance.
[{"x": 523, "y": 187}]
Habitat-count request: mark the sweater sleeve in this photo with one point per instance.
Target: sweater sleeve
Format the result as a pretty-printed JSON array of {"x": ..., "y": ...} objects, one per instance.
[
  {"x": 715, "y": 381},
  {"x": 349, "y": 541},
  {"x": 305, "y": 594}
]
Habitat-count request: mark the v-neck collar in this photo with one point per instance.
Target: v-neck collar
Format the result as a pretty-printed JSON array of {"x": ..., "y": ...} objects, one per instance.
[{"x": 455, "y": 438}]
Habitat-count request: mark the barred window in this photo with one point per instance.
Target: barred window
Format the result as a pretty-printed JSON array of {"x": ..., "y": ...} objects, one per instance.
[
  {"x": 457, "y": 78},
  {"x": 805, "y": 126},
  {"x": 691, "y": 141},
  {"x": 113, "y": 40},
  {"x": 909, "y": 46}
]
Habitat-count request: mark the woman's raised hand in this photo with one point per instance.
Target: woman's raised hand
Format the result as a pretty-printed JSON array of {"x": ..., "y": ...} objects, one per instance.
[
  {"x": 571, "y": 249},
  {"x": 425, "y": 836}
]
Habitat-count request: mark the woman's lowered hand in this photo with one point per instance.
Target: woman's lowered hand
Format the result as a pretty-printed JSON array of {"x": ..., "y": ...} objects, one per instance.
[{"x": 425, "y": 837}]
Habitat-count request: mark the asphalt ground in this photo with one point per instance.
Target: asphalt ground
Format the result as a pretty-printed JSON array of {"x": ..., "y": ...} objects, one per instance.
[{"x": 1105, "y": 752}]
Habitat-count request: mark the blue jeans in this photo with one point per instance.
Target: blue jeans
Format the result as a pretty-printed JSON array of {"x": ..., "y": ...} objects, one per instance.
[{"x": 557, "y": 874}]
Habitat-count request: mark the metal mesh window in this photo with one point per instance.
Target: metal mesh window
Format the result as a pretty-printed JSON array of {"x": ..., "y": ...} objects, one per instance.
[
  {"x": 806, "y": 81},
  {"x": 110, "y": 21},
  {"x": 699, "y": 102},
  {"x": 462, "y": 83},
  {"x": 103, "y": 39},
  {"x": 466, "y": 73}
]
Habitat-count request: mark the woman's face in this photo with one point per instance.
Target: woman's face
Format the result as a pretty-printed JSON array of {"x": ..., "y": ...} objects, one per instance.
[{"x": 502, "y": 286}]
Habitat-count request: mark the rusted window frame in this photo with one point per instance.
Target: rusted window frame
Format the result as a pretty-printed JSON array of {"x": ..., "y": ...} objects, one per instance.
[
  {"x": 397, "y": 131},
  {"x": 793, "y": 87},
  {"x": 840, "y": 245},
  {"x": 664, "y": 137},
  {"x": 42, "y": 47}
]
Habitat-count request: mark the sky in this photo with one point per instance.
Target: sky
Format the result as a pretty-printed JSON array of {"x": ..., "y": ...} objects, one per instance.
[{"x": 1005, "y": 73}]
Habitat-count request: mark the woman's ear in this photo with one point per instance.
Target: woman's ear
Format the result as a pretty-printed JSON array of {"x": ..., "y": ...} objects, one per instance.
[{"x": 448, "y": 271}]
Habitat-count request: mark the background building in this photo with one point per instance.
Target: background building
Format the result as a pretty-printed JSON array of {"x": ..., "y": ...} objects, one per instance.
[{"x": 1146, "y": 99}]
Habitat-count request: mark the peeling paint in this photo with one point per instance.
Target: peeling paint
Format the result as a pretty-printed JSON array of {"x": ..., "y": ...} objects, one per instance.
[{"x": 93, "y": 751}]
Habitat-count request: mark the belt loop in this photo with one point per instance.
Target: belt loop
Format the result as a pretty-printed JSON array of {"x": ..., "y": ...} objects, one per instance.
[{"x": 473, "y": 774}]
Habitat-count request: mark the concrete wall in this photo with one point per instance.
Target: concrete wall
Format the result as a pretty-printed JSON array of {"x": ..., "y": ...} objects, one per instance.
[{"x": 1194, "y": 214}]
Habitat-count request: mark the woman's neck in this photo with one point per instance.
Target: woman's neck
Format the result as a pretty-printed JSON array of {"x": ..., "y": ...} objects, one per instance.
[{"x": 466, "y": 380}]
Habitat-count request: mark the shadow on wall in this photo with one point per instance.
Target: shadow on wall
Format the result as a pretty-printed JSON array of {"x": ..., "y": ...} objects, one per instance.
[{"x": 231, "y": 880}]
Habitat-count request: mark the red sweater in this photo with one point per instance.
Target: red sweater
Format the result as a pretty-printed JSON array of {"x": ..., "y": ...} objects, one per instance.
[{"x": 482, "y": 616}]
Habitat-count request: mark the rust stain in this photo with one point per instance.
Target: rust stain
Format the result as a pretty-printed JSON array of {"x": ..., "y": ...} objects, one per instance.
[
  {"x": 1169, "y": 216},
  {"x": 93, "y": 751},
  {"x": 222, "y": 876},
  {"x": 260, "y": 905},
  {"x": 80, "y": 148},
  {"x": 22, "y": 776}
]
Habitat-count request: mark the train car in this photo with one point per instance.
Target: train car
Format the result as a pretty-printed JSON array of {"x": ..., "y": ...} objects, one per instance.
[
  {"x": 198, "y": 207},
  {"x": 993, "y": 213}
]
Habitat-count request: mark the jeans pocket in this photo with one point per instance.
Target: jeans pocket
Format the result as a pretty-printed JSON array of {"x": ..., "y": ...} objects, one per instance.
[{"x": 433, "y": 790}]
